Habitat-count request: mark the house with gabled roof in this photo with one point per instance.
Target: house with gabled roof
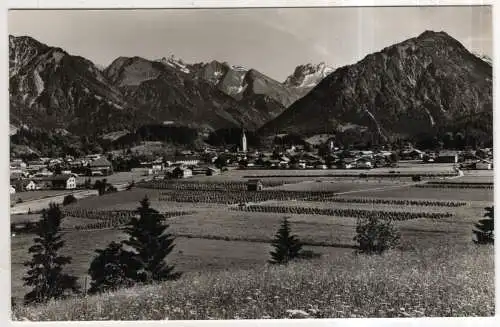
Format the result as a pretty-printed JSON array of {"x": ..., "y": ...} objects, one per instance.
[{"x": 101, "y": 166}]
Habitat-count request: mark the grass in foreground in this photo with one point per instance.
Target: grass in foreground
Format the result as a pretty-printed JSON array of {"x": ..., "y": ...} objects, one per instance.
[{"x": 449, "y": 280}]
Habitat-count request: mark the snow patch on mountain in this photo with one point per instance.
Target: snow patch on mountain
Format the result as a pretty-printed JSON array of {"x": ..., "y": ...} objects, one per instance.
[
  {"x": 176, "y": 63},
  {"x": 39, "y": 85},
  {"x": 308, "y": 76}
]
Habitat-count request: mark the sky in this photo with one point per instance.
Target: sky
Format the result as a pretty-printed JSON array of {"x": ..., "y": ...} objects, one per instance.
[{"x": 271, "y": 40}]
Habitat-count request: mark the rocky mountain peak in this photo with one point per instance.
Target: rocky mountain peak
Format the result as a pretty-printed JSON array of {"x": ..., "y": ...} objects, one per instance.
[
  {"x": 308, "y": 75},
  {"x": 422, "y": 85}
]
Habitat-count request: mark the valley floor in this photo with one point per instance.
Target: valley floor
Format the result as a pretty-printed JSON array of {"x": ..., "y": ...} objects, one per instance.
[{"x": 437, "y": 271}]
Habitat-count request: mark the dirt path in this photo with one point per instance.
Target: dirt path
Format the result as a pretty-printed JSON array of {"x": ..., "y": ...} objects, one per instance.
[{"x": 39, "y": 204}]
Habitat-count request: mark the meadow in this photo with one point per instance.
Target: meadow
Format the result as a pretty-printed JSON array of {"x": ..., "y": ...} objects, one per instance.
[
  {"x": 215, "y": 243},
  {"x": 447, "y": 280}
]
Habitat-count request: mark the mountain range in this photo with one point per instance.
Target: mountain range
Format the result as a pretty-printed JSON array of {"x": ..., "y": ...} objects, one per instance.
[
  {"x": 50, "y": 88},
  {"x": 421, "y": 86},
  {"x": 425, "y": 85}
]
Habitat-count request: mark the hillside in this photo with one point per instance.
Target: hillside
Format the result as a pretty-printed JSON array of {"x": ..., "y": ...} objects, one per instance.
[
  {"x": 168, "y": 91},
  {"x": 246, "y": 84},
  {"x": 51, "y": 89},
  {"x": 419, "y": 87},
  {"x": 397, "y": 284}
]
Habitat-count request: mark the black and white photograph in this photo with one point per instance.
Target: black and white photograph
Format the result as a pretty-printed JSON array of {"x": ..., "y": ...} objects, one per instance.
[{"x": 251, "y": 163}]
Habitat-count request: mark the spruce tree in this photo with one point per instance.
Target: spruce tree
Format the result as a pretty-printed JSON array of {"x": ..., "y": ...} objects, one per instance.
[
  {"x": 112, "y": 268},
  {"x": 286, "y": 246},
  {"x": 485, "y": 228},
  {"x": 150, "y": 245},
  {"x": 45, "y": 274}
]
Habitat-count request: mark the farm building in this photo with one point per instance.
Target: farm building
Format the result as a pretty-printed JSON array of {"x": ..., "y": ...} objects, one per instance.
[
  {"x": 101, "y": 166},
  {"x": 26, "y": 185},
  {"x": 67, "y": 182},
  {"x": 364, "y": 163},
  {"x": 447, "y": 157},
  {"x": 181, "y": 172},
  {"x": 483, "y": 165},
  {"x": 254, "y": 185},
  {"x": 183, "y": 161},
  {"x": 412, "y": 154},
  {"x": 17, "y": 164}
]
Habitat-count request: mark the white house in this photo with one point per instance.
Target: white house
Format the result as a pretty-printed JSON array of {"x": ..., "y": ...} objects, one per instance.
[
  {"x": 12, "y": 190},
  {"x": 183, "y": 172},
  {"x": 31, "y": 186},
  {"x": 67, "y": 182}
]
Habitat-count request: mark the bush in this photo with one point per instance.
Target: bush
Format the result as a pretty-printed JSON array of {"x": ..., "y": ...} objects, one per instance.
[
  {"x": 112, "y": 268},
  {"x": 416, "y": 178},
  {"x": 375, "y": 236},
  {"x": 68, "y": 199}
]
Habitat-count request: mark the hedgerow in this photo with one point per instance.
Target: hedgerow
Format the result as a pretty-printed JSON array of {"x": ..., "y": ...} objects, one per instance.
[
  {"x": 222, "y": 197},
  {"x": 354, "y": 213}
]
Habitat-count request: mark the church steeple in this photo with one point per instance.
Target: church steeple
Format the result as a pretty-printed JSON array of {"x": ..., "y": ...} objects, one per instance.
[{"x": 243, "y": 140}]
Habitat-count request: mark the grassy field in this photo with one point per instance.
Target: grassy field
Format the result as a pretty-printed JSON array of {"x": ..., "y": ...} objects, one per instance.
[
  {"x": 431, "y": 193},
  {"x": 448, "y": 280},
  {"x": 226, "y": 229},
  {"x": 36, "y": 195},
  {"x": 116, "y": 178},
  {"x": 214, "y": 239}
]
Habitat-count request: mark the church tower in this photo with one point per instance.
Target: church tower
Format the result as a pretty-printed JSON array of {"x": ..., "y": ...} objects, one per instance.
[{"x": 243, "y": 141}]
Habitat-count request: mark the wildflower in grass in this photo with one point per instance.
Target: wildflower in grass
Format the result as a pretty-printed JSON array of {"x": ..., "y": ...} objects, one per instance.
[
  {"x": 45, "y": 273},
  {"x": 151, "y": 245},
  {"x": 286, "y": 246},
  {"x": 484, "y": 231}
]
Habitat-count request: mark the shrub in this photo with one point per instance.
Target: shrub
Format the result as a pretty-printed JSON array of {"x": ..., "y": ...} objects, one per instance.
[
  {"x": 484, "y": 231},
  {"x": 112, "y": 268},
  {"x": 416, "y": 178},
  {"x": 374, "y": 236},
  {"x": 286, "y": 246},
  {"x": 68, "y": 199},
  {"x": 45, "y": 268},
  {"x": 19, "y": 200}
]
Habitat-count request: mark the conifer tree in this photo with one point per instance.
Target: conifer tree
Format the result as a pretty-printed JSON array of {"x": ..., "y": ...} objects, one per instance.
[
  {"x": 150, "y": 245},
  {"x": 286, "y": 246},
  {"x": 112, "y": 268},
  {"x": 45, "y": 274},
  {"x": 485, "y": 228}
]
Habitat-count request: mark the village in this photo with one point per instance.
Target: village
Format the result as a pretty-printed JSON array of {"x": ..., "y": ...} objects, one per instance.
[{"x": 69, "y": 173}]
